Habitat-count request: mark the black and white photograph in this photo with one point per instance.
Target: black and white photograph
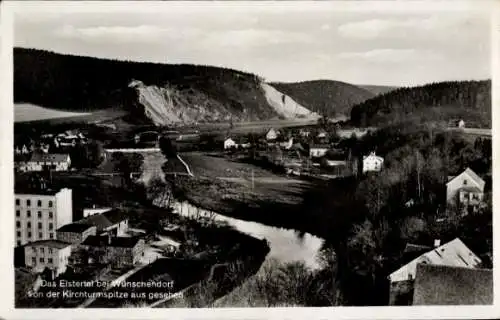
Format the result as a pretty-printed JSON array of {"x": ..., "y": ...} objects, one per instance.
[{"x": 242, "y": 154}]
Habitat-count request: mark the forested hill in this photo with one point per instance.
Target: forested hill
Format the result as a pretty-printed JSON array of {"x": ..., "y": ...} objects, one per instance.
[
  {"x": 376, "y": 90},
  {"x": 333, "y": 97},
  {"x": 443, "y": 101},
  {"x": 76, "y": 83}
]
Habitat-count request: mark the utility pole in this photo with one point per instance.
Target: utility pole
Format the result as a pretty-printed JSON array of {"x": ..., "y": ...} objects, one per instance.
[{"x": 253, "y": 183}]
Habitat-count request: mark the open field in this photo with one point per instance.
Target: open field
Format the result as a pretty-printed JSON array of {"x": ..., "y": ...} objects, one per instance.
[{"x": 26, "y": 112}]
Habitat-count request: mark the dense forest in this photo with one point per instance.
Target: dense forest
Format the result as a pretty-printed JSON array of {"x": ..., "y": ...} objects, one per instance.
[
  {"x": 443, "y": 101},
  {"x": 76, "y": 83},
  {"x": 328, "y": 97}
]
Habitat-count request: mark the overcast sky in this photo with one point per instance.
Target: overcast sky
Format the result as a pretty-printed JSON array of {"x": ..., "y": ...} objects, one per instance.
[{"x": 281, "y": 42}]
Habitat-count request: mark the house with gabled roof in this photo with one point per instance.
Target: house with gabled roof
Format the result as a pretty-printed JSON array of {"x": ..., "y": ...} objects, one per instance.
[
  {"x": 453, "y": 253},
  {"x": 466, "y": 189},
  {"x": 113, "y": 222}
]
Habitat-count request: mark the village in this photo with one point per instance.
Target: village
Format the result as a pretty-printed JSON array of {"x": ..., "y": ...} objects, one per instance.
[{"x": 54, "y": 242}]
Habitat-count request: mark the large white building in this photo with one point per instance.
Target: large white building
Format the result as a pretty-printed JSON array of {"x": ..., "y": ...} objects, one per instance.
[
  {"x": 51, "y": 254},
  {"x": 50, "y": 161},
  {"x": 372, "y": 162},
  {"x": 40, "y": 214}
]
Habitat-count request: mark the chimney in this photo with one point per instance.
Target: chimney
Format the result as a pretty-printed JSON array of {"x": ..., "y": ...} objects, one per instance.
[{"x": 437, "y": 243}]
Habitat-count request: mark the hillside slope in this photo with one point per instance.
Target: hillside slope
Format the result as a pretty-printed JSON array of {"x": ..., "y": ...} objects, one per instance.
[
  {"x": 163, "y": 93},
  {"x": 376, "y": 90},
  {"x": 443, "y": 101},
  {"x": 333, "y": 97}
]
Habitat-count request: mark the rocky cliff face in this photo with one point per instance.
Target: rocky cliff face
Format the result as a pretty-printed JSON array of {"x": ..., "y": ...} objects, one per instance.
[{"x": 169, "y": 105}]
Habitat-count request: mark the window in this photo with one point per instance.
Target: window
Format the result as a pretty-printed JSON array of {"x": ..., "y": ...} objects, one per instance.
[
  {"x": 28, "y": 202},
  {"x": 29, "y": 234},
  {"x": 465, "y": 182},
  {"x": 18, "y": 224},
  {"x": 33, "y": 260},
  {"x": 39, "y": 203},
  {"x": 50, "y": 204},
  {"x": 40, "y": 235},
  {"x": 50, "y": 260},
  {"x": 18, "y": 243},
  {"x": 18, "y": 202},
  {"x": 28, "y": 225},
  {"x": 42, "y": 260},
  {"x": 19, "y": 234},
  {"x": 51, "y": 226},
  {"x": 28, "y": 214},
  {"x": 39, "y": 225},
  {"x": 51, "y": 236},
  {"x": 51, "y": 215},
  {"x": 42, "y": 250},
  {"x": 39, "y": 214},
  {"x": 50, "y": 250},
  {"x": 18, "y": 213}
]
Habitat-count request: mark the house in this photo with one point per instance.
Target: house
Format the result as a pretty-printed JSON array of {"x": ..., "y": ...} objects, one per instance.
[
  {"x": 466, "y": 189},
  {"x": 449, "y": 285},
  {"x": 304, "y": 133},
  {"x": 287, "y": 145},
  {"x": 321, "y": 134},
  {"x": 94, "y": 210},
  {"x": 461, "y": 123},
  {"x": 75, "y": 232},
  {"x": 46, "y": 161},
  {"x": 50, "y": 254},
  {"x": 272, "y": 134},
  {"x": 39, "y": 214},
  {"x": 113, "y": 222},
  {"x": 118, "y": 251},
  {"x": 372, "y": 162},
  {"x": 453, "y": 253},
  {"x": 229, "y": 144},
  {"x": 318, "y": 150}
]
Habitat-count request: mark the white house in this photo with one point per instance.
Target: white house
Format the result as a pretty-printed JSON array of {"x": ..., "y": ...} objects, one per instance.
[
  {"x": 461, "y": 123},
  {"x": 318, "y": 150},
  {"x": 466, "y": 189},
  {"x": 372, "y": 162},
  {"x": 287, "y": 144},
  {"x": 321, "y": 134},
  {"x": 51, "y": 161},
  {"x": 454, "y": 254},
  {"x": 229, "y": 143},
  {"x": 271, "y": 134},
  {"x": 51, "y": 254}
]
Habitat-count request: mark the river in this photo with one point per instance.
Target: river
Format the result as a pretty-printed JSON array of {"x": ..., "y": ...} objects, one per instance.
[{"x": 285, "y": 245}]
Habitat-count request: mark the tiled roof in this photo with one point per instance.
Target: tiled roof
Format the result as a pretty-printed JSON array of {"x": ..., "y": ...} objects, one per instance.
[
  {"x": 49, "y": 157},
  {"x": 445, "y": 285},
  {"x": 319, "y": 146},
  {"x": 49, "y": 243},
  {"x": 471, "y": 174},
  {"x": 104, "y": 220},
  {"x": 454, "y": 253},
  {"x": 74, "y": 227},
  {"x": 104, "y": 241}
]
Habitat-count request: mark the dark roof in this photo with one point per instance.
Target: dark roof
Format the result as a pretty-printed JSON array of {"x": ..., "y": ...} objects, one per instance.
[
  {"x": 444, "y": 285},
  {"x": 49, "y": 157},
  {"x": 325, "y": 146},
  {"x": 25, "y": 189},
  {"x": 74, "y": 227},
  {"x": 410, "y": 247},
  {"x": 105, "y": 241},
  {"x": 49, "y": 243},
  {"x": 105, "y": 219}
]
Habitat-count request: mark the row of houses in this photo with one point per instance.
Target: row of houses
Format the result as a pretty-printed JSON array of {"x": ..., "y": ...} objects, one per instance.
[
  {"x": 43, "y": 161},
  {"x": 51, "y": 240}
]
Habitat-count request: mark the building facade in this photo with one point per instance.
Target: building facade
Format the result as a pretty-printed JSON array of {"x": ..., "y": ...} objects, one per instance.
[
  {"x": 229, "y": 143},
  {"x": 51, "y": 254},
  {"x": 119, "y": 252},
  {"x": 317, "y": 151},
  {"x": 46, "y": 161},
  {"x": 372, "y": 162},
  {"x": 466, "y": 189},
  {"x": 38, "y": 216}
]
